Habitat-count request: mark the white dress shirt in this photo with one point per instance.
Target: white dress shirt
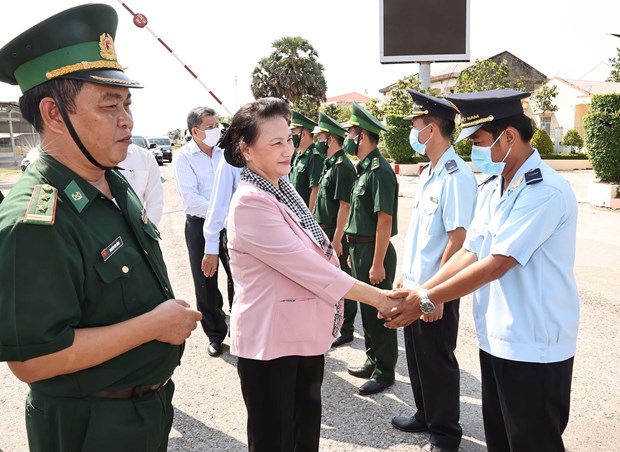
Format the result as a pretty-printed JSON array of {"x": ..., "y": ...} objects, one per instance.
[
  {"x": 194, "y": 173},
  {"x": 142, "y": 171},
  {"x": 224, "y": 186}
]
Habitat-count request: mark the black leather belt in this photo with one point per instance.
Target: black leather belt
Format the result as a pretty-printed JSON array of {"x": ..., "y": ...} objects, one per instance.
[
  {"x": 130, "y": 393},
  {"x": 194, "y": 217},
  {"x": 360, "y": 239},
  {"x": 327, "y": 227}
]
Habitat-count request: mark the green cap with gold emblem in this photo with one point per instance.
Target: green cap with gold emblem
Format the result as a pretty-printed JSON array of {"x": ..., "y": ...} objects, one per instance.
[
  {"x": 361, "y": 118},
  {"x": 299, "y": 120},
  {"x": 329, "y": 125},
  {"x": 77, "y": 43}
]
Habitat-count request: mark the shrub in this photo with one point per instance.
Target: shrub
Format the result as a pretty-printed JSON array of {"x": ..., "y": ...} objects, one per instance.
[
  {"x": 396, "y": 140},
  {"x": 572, "y": 139},
  {"x": 542, "y": 142},
  {"x": 602, "y": 128},
  {"x": 463, "y": 147}
]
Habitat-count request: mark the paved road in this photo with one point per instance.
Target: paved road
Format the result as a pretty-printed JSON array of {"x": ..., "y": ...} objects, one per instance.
[{"x": 210, "y": 415}]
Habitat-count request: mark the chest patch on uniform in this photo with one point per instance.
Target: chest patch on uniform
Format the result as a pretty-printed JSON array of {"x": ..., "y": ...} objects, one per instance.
[
  {"x": 112, "y": 248},
  {"x": 42, "y": 206},
  {"x": 451, "y": 166},
  {"x": 533, "y": 176},
  {"x": 76, "y": 196},
  {"x": 376, "y": 163}
]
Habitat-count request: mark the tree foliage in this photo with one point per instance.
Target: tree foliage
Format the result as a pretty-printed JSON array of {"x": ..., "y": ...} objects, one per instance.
[
  {"x": 542, "y": 142},
  {"x": 307, "y": 106},
  {"x": 340, "y": 113},
  {"x": 615, "y": 68},
  {"x": 175, "y": 135},
  {"x": 542, "y": 99},
  {"x": 399, "y": 101},
  {"x": 485, "y": 75},
  {"x": 292, "y": 72},
  {"x": 602, "y": 127},
  {"x": 396, "y": 140},
  {"x": 572, "y": 139}
]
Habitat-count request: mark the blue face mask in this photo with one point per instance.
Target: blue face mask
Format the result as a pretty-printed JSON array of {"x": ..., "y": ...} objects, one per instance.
[
  {"x": 481, "y": 156},
  {"x": 414, "y": 140}
]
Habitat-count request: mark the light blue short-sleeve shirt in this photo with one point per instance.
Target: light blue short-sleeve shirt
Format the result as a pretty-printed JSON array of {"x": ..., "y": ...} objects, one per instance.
[
  {"x": 531, "y": 313},
  {"x": 445, "y": 201}
]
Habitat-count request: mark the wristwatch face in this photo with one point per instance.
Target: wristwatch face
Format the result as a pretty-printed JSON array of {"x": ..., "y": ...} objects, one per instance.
[{"x": 427, "y": 307}]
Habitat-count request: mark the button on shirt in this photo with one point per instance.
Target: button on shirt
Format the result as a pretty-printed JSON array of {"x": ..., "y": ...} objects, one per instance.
[
  {"x": 444, "y": 201},
  {"x": 194, "y": 173},
  {"x": 531, "y": 313},
  {"x": 224, "y": 186}
]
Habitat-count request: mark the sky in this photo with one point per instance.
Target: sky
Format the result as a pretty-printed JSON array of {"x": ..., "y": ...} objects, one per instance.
[{"x": 222, "y": 41}]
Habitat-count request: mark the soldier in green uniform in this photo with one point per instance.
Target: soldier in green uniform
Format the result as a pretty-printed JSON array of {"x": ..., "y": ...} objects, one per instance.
[
  {"x": 307, "y": 163},
  {"x": 87, "y": 315},
  {"x": 372, "y": 221},
  {"x": 333, "y": 203}
]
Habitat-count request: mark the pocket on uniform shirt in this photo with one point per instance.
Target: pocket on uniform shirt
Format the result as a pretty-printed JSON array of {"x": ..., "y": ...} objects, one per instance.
[
  {"x": 295, "y": 320},
  {"x": 427, "y": 211},
  {"x": 120, "y": 265}
]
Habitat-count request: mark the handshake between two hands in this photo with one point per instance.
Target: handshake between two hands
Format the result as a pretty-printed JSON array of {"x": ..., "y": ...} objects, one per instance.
[{"x": 401, "y": 307}]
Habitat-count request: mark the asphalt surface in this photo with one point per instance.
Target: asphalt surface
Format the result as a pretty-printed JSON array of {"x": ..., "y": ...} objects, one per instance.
[{"x": 209, "y": 409}]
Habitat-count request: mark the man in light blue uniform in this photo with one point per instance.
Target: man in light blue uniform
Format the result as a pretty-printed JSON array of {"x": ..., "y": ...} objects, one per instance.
[
  {"x": 518, "y": 259},
  {"x": 442, "y": 210}
]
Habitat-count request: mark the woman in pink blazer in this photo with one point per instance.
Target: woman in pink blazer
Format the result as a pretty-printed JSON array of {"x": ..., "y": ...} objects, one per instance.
[{"x": 289, "y": 289}]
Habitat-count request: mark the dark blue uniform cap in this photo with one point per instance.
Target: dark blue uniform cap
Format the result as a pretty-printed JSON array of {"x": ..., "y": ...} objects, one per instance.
[
  {"x": 423, "y": 104},
  {"x": 485, "y": 106}
]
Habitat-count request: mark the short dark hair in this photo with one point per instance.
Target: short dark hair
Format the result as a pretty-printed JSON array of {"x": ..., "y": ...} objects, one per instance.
[
  {"x": 338, "y": 138},
  {"x": 66, "y": 89},
  {"x": 246, "y": 123},
  {"x": 445, "y": 126},
  {"x": 521, "y": 122},
  {"x": 196, "y": 116}
]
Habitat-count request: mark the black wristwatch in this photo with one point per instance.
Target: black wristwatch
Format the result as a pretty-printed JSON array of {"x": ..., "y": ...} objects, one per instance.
[{"x": 426, "y": 305}]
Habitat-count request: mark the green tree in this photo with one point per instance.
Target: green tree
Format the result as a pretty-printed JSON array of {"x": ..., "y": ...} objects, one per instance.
[
  {"x": 175, "y": 135},
  {"x": 542, "y": 142},
  {"x": 340, "y": 113},
  {"x": 615, "y": 68},
  {"x": 307, "y": 106},
  {"x": 542, "y": 99},
  {"x": 572, "y": 139},
  {"x": 602, "y": 127},
  {"x": 485, "y": 75},
  {"x": 399, "y": 101},
  {"x": 292, "y": 72}
]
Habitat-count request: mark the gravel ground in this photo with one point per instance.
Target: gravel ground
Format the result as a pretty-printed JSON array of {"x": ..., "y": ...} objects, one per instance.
[{"x": 210, "y": 414}]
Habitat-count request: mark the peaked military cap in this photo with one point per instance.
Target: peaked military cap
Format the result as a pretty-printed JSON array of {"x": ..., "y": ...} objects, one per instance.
[
  {"x": 330, "y": 125},
  {"x": 361, "y": 118},
  {"x": 485, "y": 106},
  {"x": 299, "y": 120},
  {"x": 77, "y": 43},
  {"x": 423, "y": 104}
]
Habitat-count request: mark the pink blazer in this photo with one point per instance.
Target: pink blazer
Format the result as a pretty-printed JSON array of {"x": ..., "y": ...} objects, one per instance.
[{"x": 286, "y": 288}]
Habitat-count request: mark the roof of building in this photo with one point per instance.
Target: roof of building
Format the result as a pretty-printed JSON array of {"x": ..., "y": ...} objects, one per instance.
[
  {"x": 590, "y": 87},
  {"x": 347, "y": 98}
]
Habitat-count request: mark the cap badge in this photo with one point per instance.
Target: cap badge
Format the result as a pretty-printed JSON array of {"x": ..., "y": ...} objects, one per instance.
[{"x": 106, "y": 47}]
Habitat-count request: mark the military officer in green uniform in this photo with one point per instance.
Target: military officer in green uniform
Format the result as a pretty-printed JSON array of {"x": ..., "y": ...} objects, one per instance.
[
  {"x": 333, "y": 203},
  {"x": 372, "y": 221},
  {"x": 87, "y": 315},
  {"x": 307, "y": 163}
]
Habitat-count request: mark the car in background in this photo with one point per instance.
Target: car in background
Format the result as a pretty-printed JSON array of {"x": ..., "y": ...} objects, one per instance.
[
  {"x": 165, "y": 146},
  {"x": 144, "y": 142}
]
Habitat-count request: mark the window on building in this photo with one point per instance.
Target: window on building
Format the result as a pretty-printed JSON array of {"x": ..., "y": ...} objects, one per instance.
[{"x": 545, "y": 124}]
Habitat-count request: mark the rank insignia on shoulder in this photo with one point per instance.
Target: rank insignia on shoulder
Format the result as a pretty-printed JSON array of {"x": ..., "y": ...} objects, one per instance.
[
  {"x": 339, "y": 160},
  {"x": 42, "y": 206},
  {"x": 376, "y": 163},
  {"x": 316, "y": 151},
  {"x": 451, "y": 166},
  {"x": 533, "y": 176},
  {"x": 487, "y": 180}
]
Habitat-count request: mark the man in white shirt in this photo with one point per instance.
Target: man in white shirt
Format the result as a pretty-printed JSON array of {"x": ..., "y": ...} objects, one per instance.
[
  {"x": 194, "y": 168},
  {"x": 142, "y": 171},
  {"x": 214, "y": 230}
]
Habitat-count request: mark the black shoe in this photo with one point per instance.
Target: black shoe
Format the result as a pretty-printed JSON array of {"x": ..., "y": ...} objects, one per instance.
[
  {"x": 215, "y": 349},
  {"x": 343, "y": 339},
  {"x": 429, "y": 447},
  {"x": 409, "y": 424},
  {"x": 374, "y": 386},
  {"x": 361, "y": 372}
]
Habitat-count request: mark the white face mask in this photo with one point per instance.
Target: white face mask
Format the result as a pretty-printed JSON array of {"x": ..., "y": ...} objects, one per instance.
[{"x": 212, "y": 136}]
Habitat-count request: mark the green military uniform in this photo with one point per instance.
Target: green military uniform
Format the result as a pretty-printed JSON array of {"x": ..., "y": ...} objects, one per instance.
[
  {"x": 334, "y": 186},
  {"x": 375, "y": 190},
  {"x": 306, "y": 166},
  {"x": 73, "y": 258}
]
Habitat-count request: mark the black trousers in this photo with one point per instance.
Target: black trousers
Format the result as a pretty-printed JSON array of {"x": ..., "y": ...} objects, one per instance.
[
  {"x": 225, "y": 259},
  {"x": 208, "y": 297},
  {"x": 283, "y": 400},
  {"x": 434, "y": 375},
  {"x": 525, "y": 406}
]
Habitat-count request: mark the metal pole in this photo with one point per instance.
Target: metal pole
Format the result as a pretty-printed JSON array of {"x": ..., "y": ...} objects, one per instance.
[
  {"x": 141, "y": 21},
  {"x": 425, "y": 75},
  {"x": 10, "y": 108}
]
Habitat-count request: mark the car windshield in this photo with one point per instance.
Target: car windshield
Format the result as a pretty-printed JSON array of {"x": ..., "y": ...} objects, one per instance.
[
  {"x": 140, "y": 141},
  {"x": 160, "y": 141}
]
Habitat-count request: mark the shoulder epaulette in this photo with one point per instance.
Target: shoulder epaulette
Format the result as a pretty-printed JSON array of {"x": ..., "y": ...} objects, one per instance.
[
  {"x": 42, "y": 206},
  {"x": 315, "y": 151},
  {"x": 451, "y": 166},
  {"x": 339, "y": 160},
  {"x": 376, "y": 163},
  {"x": 533, "y": 176},
  {"x": 487, "y": 180}
]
